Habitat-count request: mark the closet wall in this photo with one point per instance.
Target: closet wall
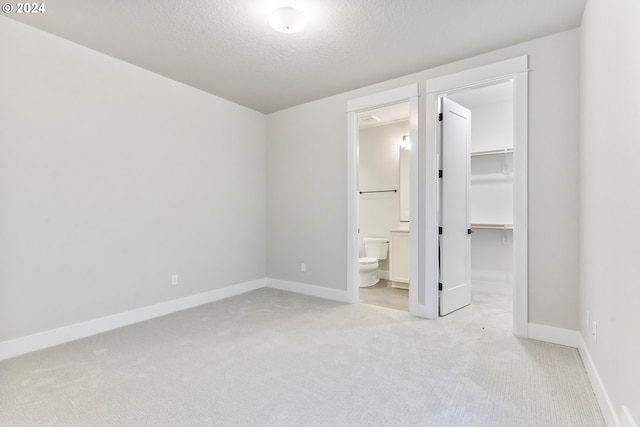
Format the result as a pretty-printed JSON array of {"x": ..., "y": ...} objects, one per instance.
[{"x": 491, "y": 195}]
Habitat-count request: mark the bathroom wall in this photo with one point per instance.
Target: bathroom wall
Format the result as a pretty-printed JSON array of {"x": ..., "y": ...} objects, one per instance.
[
  {"x": 379, "y": 169},
  {"x": 113, "y": 178}
]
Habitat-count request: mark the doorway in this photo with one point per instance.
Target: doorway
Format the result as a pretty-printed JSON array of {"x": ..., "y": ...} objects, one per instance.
[
  {"x": 424, "y": 298},
  {"x": 384, "y": 148},
  {"x": 515, "y": 71},
  {"x": 358, "y": 110},
  {"x": 476, "y": 204}
]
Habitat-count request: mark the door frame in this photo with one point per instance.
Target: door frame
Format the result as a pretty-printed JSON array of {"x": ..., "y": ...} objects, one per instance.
[
  {"x": 516, "y": 70},
  {"x": 410, "y": 94}
]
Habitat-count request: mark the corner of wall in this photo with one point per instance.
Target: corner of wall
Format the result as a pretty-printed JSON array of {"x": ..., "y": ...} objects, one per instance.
[
  {"x": 310, "y": 290},
  {"x": 551, "y": 334},
  {"x": 606, "y": 406}
]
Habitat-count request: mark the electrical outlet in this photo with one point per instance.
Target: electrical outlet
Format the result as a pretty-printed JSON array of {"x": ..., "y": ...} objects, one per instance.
[
  {"x": 594, "y": 331},
  {"x": 174, "y": 279},
  {"x": 303, "y": 268}
]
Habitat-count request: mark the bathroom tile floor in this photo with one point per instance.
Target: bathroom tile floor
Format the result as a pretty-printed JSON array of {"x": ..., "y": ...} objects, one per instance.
[{"x": 383, "y": 295}]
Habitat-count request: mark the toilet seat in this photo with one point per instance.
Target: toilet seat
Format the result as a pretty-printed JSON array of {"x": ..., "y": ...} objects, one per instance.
[{"x": 367, "y": 261}]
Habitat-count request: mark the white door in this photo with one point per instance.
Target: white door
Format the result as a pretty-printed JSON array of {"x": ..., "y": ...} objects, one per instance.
[{"x": 455, "y": 266}]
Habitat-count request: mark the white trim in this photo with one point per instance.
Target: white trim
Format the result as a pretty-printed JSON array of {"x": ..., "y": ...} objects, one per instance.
[
  {"x": 606, "y": 406},
  {"x": 408, "y": 94},
  {"x": 415, "y": 222},
  {"x": 487, "y": 73},
  {"x": 521, "y": 204},
  {"x": 381, "y": 99},
  {"x": 429, "y": 157},
  {"x": 515, "y": 69},
  {"x": 310, "y": 290},
  {"x": 352, "y": 207},
  {"x": 554, "y": 335},
  {"x": 41, "y": 340},
  {"x": 421, "y": 311}
]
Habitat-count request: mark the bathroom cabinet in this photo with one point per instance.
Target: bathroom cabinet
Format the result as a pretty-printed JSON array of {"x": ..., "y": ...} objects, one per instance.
[{"x": 399, "y": 258}]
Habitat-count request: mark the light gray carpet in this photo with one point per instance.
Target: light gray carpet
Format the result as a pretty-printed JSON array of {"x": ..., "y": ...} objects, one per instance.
[{"x": 273, "y": 358}]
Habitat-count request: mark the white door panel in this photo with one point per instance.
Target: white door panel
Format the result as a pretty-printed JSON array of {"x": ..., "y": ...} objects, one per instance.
[{"x": 454, "y": 207}]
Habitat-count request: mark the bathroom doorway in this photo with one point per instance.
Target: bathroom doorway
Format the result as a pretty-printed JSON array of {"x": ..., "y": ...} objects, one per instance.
[
  {"x": 385, "y": 121},
  {"x": 384, "y": 146}
]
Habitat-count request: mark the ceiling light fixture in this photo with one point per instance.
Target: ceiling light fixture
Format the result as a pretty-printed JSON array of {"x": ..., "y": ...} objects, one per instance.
[{"x": 287, "y": 20}]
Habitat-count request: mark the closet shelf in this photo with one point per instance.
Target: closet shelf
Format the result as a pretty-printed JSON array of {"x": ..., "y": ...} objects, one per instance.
[
  {"x": 491, "y": 152},
  {"x": 492, "y": 226}
]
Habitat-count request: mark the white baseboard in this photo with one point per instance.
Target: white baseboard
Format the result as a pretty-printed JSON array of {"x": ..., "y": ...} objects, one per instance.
[
  {"x": 554, "y": 335},
  {"x": 422, "y": 312},
  {"x": 607, "y": 408},
  {"x": 311, "y": 290},
  {"x": 573, "y": 338},
  {"x": 38, "y": 341}
]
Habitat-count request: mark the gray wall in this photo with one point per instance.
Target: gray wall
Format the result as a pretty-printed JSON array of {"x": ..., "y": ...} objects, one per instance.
[
  {"x": 307, "y": 194},
  {"x": 113, "y": 178},
  {"x": 89, "y": 231},
  {"x": 609, "y": 201}
]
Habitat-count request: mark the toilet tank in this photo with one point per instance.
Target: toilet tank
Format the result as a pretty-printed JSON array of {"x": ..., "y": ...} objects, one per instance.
[{"x": 376, "y": 247}]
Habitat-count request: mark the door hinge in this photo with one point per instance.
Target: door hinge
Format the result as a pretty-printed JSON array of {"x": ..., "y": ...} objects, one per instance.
[
  {"x": 439, "y": 117},
  {"x": 439, "y": 286},
  {"x": 439, "y": 230},
  {"x": 440, "y": 173}
]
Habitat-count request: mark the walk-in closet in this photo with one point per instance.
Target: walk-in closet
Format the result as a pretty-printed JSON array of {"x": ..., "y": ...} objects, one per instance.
[{"x": 491, "y": 195}]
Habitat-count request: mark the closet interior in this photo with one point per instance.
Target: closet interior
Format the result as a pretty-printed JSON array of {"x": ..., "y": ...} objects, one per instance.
[{"x": 491, "y": 195}]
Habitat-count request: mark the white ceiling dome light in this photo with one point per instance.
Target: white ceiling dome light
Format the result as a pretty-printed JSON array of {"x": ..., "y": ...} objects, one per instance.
[{"x": 287, "y": 20}]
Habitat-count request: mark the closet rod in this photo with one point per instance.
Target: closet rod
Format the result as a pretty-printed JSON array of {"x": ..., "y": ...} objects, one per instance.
[
  {"x": 492, "y": 152},
  {"x": 491, "y": 227},
  {"x": 379, "y": 191}
]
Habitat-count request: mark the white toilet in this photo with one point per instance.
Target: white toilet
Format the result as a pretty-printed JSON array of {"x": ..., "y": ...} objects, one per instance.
[{"x": 375, "y": 249}]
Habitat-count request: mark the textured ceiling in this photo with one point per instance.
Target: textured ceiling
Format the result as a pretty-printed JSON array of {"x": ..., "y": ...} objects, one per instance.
[{"x": 227, "y": 48}]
